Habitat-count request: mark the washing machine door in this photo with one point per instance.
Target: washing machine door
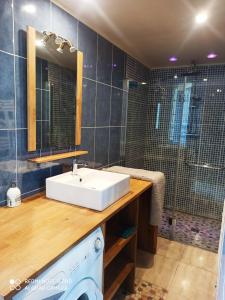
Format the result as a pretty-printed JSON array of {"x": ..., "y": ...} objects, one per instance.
[{"x": 86, "y": 289}]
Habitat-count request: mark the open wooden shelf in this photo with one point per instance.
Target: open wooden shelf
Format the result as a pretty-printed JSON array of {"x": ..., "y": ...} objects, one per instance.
[
  {"x": 113, "y": 246},
  {"x": 115, "y": 275},
  {"x": 44, "y": 159}
]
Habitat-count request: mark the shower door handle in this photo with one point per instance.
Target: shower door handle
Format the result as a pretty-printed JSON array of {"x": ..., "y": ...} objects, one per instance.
[{"x": 206, "y": 166}]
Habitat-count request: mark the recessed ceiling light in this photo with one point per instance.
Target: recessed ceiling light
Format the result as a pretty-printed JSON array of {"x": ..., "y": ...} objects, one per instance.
[
  {"x": 29, "y": 8},
  {"x": 173, "y": 59},
  {"x": 201, "y": 18},
  {"x": 212, "y": 55},
  {"x": 175, "y": 76},
  {"x": 143, "y": 83},
  {"x": 205, "y": 79}
]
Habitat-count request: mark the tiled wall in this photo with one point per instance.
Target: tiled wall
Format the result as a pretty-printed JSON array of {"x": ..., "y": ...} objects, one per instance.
[
  {"x": 138, "y": 77},
  {"x": 104, "y": 96},
  {"x": 196, "y": 190}
]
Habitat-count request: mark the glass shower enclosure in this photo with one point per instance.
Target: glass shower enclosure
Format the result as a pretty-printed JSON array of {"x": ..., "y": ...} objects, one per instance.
[{"x": 184, "y": 138}]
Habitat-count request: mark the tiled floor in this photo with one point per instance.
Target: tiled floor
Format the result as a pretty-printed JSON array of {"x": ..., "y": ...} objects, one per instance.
[
  {"x": 192, "y": 230},
  {"x": 188, "y": 273}
]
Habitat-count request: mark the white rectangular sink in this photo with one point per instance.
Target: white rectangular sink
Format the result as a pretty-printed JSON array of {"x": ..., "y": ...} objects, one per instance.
[{"x": 89, "y": 188}]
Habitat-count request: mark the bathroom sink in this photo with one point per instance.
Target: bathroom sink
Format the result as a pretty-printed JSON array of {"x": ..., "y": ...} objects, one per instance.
[{"x": 88, "y": 188}]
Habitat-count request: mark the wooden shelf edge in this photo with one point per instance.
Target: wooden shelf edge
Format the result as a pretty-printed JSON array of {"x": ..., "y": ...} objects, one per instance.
[
  {"x": 115, "y": 285},
  {"x": 115, "y": 249},
  {"x": 58, "y": 156}
]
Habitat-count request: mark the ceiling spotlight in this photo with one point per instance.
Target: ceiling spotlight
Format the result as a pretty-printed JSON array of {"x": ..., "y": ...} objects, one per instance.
[
  {"x": 212, "y": 55},
  {"x": 47, "y": 36},
  {"x": 173, "y": 59},
  {"x": 175, "y": 76},
  {"x": 40, "y": 43},
  {"x": 59, "y": 40},
  {"x": 201, "y": 18},
  {"x": 143, "y": 83},
  {"x": 72, "y": 49},
  {"x": 205, "y": 79},
  {"x": 60, "y": 48},
  {"x": 44, "y": 40},
  {"x": 70, "y": 45},
  {"x": 29, "y": 8}
]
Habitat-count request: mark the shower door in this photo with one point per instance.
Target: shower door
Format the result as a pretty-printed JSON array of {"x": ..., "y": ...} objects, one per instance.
[
  {"x": 200, "y": 165},
  {"x": 185, "y": 137}
]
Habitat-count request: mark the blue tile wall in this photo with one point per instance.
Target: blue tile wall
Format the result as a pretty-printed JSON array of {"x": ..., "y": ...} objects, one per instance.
[
  {"x": 7, "y": 159},
  {"x": 87, "y": 42},
  {"x": 40, "y": 20},
  {"x": 64, "y": 24},
  {"x": 104, "y": 61},
  {"x": 6, "y": 26},
  {"x": 104, "y": 96},
  {"x": 103, "y": 105},
  {"x": 118, "y": 67},
  {"x": 102, "y": 145},
  {"x": 88, "y": 103},
  {"x": 7, "y": 113},
  {"x": 21, "y": 91}
]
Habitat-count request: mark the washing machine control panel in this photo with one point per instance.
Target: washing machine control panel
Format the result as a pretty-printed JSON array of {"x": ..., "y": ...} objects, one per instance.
[{"x": 88, "y": 254}]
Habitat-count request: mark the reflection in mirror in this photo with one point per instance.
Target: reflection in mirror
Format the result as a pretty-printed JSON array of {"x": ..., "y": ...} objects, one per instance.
[{"x": 55, "y": 92}]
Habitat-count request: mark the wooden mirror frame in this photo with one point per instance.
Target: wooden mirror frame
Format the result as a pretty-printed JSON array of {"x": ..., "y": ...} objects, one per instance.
[{"x": 31, "y": 91}]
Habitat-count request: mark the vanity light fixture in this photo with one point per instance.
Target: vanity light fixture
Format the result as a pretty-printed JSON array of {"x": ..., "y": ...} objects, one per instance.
[
  {"x": 47, "y": 36},
  {"x": 72, "y": 48},
  {"x": 58, "y": 40}
]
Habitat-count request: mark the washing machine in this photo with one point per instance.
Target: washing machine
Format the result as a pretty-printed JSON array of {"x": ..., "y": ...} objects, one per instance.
[{"x": 75, "y": 276}]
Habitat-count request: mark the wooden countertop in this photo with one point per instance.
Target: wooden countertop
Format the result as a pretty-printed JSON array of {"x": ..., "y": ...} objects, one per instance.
[{"x": 35, "y": 234}]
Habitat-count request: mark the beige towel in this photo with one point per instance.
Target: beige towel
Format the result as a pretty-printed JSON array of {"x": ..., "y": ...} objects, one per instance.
[{"x": 158, "y": 189}]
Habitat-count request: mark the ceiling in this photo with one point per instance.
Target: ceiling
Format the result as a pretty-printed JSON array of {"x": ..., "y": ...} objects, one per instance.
[{"x": 154, "y": 30}]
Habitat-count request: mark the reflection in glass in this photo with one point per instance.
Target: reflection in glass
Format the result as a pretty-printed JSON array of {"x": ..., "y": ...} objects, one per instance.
[{"x": 55, "y": 94}]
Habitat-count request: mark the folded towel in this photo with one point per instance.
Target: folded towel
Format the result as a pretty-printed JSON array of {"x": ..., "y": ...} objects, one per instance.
[{"x": 158, "y": 188}]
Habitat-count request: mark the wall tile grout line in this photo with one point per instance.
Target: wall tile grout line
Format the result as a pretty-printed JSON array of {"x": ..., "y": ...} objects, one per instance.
[{"x": 103, "y": 83}]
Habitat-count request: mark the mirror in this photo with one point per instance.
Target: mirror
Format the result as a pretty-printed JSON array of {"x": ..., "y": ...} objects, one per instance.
[{"x": 54, "y": 91}]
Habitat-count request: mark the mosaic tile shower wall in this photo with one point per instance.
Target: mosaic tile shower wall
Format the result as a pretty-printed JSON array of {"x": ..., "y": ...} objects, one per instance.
[
  {"x": 185, "y": 134},
  {"x": 138, "y": 76}
]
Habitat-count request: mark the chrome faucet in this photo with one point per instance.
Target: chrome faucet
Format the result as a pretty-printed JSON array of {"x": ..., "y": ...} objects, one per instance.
[{"x": 76, "y": 165}]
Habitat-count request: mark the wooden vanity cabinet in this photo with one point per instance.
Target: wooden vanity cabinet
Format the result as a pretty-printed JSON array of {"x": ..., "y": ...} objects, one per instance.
[{"x": 120, "y": 253}]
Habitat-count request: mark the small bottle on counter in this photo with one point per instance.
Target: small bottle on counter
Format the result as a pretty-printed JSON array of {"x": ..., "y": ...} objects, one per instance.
[{"x": 13, "y": 196}]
